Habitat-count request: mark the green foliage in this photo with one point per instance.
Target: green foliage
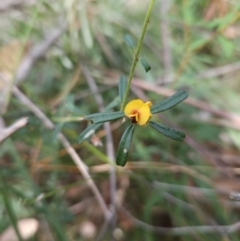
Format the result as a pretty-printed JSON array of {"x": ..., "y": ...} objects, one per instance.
[
  {"x": 145, "y": 65},
  {"x": 90, "y": 130},
  {"x": 169, "y": 102},
  {"x": 122, "y": 85},
  {"x": 168, "y": 131},
  {"x": 104, "y": 116},
  {"x": 124, "y": 146},
  {"x": 204, "y": 53}
]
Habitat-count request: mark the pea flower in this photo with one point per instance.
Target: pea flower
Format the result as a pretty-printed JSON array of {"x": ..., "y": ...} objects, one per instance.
[{"x": 139, "y": 113}]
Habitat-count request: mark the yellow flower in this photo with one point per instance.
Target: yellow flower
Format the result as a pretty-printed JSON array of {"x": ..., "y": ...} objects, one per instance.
[{"x": 138, "y": 111}]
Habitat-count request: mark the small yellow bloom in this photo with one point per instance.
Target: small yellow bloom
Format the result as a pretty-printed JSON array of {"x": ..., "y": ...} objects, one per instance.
[{"x": 138, "y": 111}]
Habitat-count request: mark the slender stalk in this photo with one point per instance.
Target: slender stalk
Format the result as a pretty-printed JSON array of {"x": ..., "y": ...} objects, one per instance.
[
  {"x": 135, "y": 59},
  {"x": 70, "y": 150},
  {"x": 109, "y": 149},
  {"x": 9, "y": 208}
]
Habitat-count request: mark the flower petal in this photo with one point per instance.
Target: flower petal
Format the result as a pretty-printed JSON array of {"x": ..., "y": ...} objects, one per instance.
[
  {"x": 144, "y": 113},
  {"x": 132, "y": 106}
]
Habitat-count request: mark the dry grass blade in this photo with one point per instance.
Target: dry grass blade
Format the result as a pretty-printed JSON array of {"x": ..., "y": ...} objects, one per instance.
[
  {"x": 183, "y": 230},
  {"x": 5, "y": 133},
  {"x": 77, "y": 160},
  {"x": 11, "y": 4},
  {"x": 109, "y": 145},
  {"x": 67, "y": 88},
  {"x": 37, "y": 52}
]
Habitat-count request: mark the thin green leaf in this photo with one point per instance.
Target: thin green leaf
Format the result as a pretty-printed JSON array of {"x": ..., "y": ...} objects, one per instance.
[
  {"x": 122, "y": 85},
  {"x": 168, "y": 131},
  {"x": 90, "y": 130},
  {"x": 198, "y": 44},
  {"x": 145, "y": 65},
  {"x": 85, "y": 27},
  {"x": 124, "y": 146},
  {"x": 9, "y": 207},
  {"x": 169, "y": 102},
  {"x": 104, "y": 116},
  {"x": 129, "y": 41}
]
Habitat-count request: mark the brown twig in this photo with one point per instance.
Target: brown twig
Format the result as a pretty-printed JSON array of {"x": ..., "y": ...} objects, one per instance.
[
  {"x": 72, "y": 153},
  {"x": 70, "y": 84},
  {"x": 35, "y": 53},
  {"x": 6, "y": 132},
  {"x": 183, "y": 230},
  {"x": 8, "y": 5},
  {"x": 109, "y": 145},
  {"x": 196, "y": 191},
  {"x": 191, "y": 207},
  {"x": 215, "y": 72},
  {"x": 207, "y": 74}
]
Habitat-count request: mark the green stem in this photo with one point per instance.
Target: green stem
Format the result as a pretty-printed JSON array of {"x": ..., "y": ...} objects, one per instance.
[
  {"x": 135, "y": 60},
  {"x": 8, "y": 205},
  {"x": 96, "y": 152}
]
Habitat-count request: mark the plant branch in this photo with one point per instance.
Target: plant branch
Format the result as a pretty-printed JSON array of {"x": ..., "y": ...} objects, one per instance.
[
  {"x": 9, "y": 207},
  {"x": 136, "y": 55},
  {"x": 109, "y": 146},
  {"x": 36, "y": 52},
  {"x": 5, "y": 133},
  {"x": 70, "y": 150},
  {"x": 183, "y": 230}
]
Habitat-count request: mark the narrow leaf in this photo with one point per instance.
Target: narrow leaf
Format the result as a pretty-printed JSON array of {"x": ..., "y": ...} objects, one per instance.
[
  {"x": 9, "y": 207},
  {"x": 122, "y": 85},
  {"x": 124, "y": 146},
  {"x": 129, "y": 41},
  {"x": 145, "y": 65},
  {"x": 90, "y": 130},
  {"x": 169, "y": 102},
  {"x": 168, "y": 131},
  {"x": 104, "y": 116},
  {"x": 85, "y": 26}
]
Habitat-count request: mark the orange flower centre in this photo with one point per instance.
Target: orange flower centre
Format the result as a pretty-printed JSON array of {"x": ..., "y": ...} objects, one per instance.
[{"x": 135, "y": 116}]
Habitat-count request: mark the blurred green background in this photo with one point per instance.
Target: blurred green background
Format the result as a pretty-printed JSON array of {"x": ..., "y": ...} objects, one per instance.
[{"x": 52, "y": 52}]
